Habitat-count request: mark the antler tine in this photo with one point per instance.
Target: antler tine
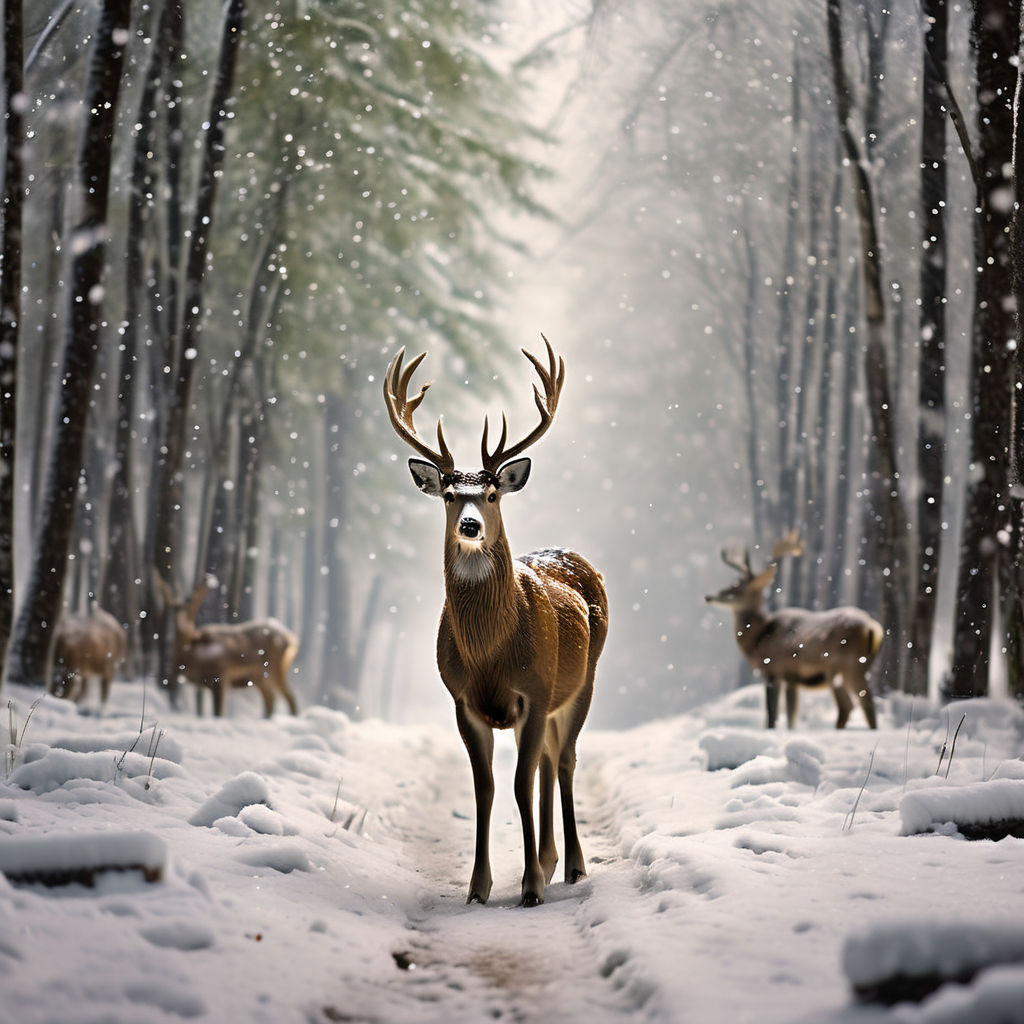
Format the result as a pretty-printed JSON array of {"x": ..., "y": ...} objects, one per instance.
[
  {"x": 485, "y": 456},
  {"x": 742, "y": 565},
  {"x": 401, "y": 407},
  {"x": 788, "y": 544},
  {"x": 552, "y": 377}
]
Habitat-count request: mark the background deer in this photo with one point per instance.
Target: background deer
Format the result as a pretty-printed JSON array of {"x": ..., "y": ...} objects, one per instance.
[
  {"x": 798, "y": 647},
  {"x": 85, "y": 646},
  {"x": 220, "y": 656},
  {"x": 519, "y": 639}
]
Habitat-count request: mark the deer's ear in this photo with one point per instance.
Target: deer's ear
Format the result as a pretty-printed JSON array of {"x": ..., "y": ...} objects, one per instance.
[
  {"x": 513, "y": 475},
  {"x": 426, "y": 476}
]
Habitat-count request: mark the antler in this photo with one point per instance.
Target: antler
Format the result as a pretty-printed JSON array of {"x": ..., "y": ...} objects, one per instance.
[
  {"x": 738, "y": 561},
  {"x": 401, "y": 408},
  {"x": 788, "y": 544},
  {"x": 552, "y": 378}
]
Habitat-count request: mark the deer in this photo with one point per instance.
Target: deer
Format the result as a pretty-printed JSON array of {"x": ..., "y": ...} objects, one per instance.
[
  {"x": 797, "y": 647},
  {"x": 84, "y": 646},
  {"x": 519, "y": 638},
  {"x": 221, "y": 656}
]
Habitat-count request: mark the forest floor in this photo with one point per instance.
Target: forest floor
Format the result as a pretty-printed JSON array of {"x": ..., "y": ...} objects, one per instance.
[{"x": 314, "y": 869}]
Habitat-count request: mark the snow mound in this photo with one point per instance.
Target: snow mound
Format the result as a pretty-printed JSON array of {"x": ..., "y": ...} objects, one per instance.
[
  {"x": 731, "y": 748},
  {"x": 801, "y": 763},
  {"x": 59, "y": 858},
  {"x": 993, "y": 809},
  {"x": 894, "y": 961},
  {"x": 45, "y": 770},
  {"x": 240, "y": 792},
  {"x": 1011, "y": 769},
  {"x": 145, "y": 742}
]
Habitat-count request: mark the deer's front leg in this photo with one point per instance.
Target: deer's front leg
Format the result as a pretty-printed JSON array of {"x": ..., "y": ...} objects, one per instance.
[
  {"x": 530, "y": 739},
  {"x": 771, "y": 694},
  {"x": 479, "y": 741}
]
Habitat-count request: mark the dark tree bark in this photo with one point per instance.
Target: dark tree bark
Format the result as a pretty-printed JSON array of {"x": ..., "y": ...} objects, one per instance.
[
  {"x": 168, "y": 486},
  {"x": 183, "y": 348},
  {"x": 10, "y": 303},
  {"x": 1014, "y": 605},
  {"x": 890, "y": 523},
  {"x": 984, "y": 567},
  {"x": 932, "y": 356},
  {"x": 33, "y": 635},
  {"x": 118, "y": 590},
  {"x": 224, "y": 530}
]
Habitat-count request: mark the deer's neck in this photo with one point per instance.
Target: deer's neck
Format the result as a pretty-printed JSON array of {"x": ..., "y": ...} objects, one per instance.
[
  {"x": 752, "y": 626},
  {"x": 482, "y": 598}
]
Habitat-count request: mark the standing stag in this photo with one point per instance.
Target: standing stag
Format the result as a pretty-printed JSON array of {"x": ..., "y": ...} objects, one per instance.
[
  {"x": 85, "y": 646},
  {"x": 220, "y": 656},
  {"x": 519, "y": 639},
  {"x": 800, "y": 647}
]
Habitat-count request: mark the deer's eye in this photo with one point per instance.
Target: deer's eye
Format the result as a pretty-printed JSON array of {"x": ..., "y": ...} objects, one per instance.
[
  {"x": 449, "y": 496},
  {"x": 492, "y": 496}
]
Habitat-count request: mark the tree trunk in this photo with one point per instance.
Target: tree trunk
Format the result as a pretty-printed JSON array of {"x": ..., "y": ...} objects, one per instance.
[
  {"x": 754, "y": 440},
  {"x": 119, "y": 592},
  {"x": 932, "y": 357},
  {"x": 890, "y": 526},
  {"x": 168, "y": 485},
  {"x": 985, "y": 567},
  {"x": 787, "y": 276},
  {"x": 823, "y": 537},
  {"x": 1014, "y": 600},
  {"x": 183, "y": 352},
  {"x": 33, "y": 634},
  {"x": 10, "y": 304}
]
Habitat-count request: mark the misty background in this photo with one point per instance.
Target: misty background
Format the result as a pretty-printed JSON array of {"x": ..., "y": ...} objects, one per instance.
[{"x": 659, "y": 188}]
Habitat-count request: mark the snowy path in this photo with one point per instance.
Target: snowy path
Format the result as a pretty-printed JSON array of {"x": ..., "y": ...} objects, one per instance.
[
  {"x": 500, "y": 961},
  {"x": 316, "y": 871}
]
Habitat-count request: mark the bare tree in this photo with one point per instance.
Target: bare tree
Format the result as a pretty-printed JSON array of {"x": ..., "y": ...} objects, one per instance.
[
  {"x": 184, "y": 351},
  {"x": 931, "y": 466},
  {"x": 10, "y": 303},
  {"x": 34, "y": 630},
  {"x": 984, "y": 568},
  {"x": 1014, "y": 604},
  {"x": 889, "y": 515}
]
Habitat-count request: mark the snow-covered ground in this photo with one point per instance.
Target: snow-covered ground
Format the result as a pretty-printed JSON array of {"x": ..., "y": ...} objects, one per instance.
[{"x": 314, "y": 869}]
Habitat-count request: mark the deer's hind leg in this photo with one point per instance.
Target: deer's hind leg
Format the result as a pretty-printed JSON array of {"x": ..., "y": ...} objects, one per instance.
[
  {"x": 282, "y": 680},
  {"x": 844, "y": 702},
  {"x": 575, "y": 865},
  {"x": 548, "y": 851},
  {"x": 771, "y": 699},
  {"x": 792, "y": 702},
  {"x": 856, "y": 685}
]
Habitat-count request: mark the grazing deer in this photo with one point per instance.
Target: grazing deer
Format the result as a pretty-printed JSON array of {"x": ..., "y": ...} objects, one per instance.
[
  {"x": 85, "y": 646},
  {"x": 800, "y": 647},
  {"x": 519, "y": 639},
  {"x": 220, "y": 656}
]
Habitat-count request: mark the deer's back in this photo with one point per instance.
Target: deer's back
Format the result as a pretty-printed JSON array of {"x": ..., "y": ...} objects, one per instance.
[
  {"x": 89, "y": 643},
  {"x": 577, "y": 593},
  {"x": 235, "y": 645},
  {"x": 834, "y": 636}
]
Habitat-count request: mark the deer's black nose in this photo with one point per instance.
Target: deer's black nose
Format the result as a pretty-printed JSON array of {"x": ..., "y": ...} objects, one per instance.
[{"x": 469, "y": 527}]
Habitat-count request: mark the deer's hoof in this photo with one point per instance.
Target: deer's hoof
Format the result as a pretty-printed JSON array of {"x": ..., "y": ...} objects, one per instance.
[
  {"x": 531, "y": 899},
  {"x": 475, "y": 897},
  {"x": 576, "y": 875}
]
